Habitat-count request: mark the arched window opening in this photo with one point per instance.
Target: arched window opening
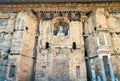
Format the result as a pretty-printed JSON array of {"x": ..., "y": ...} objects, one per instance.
[
  {"x": 12, "y": 71},
  {"x": 43, "y": 71}
]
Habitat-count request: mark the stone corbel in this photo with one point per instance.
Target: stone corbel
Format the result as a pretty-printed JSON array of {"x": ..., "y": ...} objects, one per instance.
[
  {"x": 100, "y": 11},
  {"x": 12, "y": 16},
  {"x": 84, "y": 18},
  {"x": 107, "y": 15}
]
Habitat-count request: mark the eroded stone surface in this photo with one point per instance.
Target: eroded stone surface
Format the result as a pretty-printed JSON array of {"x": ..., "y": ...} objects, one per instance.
[{"x": 37, "y": 49}]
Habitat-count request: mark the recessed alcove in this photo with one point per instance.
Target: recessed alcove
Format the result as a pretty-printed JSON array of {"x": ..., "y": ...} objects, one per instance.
[{"x": 60, "y": 26}]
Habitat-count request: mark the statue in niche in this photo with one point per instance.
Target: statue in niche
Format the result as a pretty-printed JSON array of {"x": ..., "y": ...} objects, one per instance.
[{"x": 61, "y": 30}]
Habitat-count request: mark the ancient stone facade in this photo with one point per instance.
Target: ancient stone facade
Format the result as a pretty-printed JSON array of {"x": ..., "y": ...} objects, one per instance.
[
  {"x": 59, "y": 43},
  {"x": 16, "y": 31},
  {"x": 61, "y": 52}
]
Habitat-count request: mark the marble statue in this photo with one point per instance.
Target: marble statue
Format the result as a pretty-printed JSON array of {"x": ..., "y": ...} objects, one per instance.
[{"x": 60, "y": 32}]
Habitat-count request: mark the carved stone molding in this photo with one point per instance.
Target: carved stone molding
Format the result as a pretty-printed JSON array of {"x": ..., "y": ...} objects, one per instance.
[
  {"x": 7, "y": 16},
  {"x": 72, "y": 15},
  {"x": 109, "y": 6},
  {"x": 4, "y": 16}
]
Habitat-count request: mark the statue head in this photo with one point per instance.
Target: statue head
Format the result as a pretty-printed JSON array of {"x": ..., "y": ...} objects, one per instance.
[{"x": 61, "y": 28}]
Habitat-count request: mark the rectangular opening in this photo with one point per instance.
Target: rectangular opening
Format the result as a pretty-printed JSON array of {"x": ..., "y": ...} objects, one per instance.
[
  {"x": 77, "y": 71},
  {"x": 43, "y": 71},
  {"x": 12, "y": 71},
  {"x": 47, "y": 45},
  {"x": 3, "y": 23},
  {"x": 74, "y": 45},
  {"x": 106, "y": 66}
]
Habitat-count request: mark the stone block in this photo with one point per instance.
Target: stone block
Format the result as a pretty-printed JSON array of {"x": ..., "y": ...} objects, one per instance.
[
  {"x": 100, "y": 19},
  {"x": 115, "y": 48},
  {"x": 25, "y": 68},
  {"x": 16, "y": 42},
  {"x": 3, "y": 71}
]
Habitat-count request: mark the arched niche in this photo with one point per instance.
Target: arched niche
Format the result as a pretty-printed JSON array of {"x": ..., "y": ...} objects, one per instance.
[{"x": 60, "y": 26}]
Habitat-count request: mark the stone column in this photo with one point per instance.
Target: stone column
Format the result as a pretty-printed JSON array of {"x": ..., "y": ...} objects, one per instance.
[
  {"x": 116, "y": 79},
  {"x": 93, "y": 70},
  {"x": 98, "y": 78},
  {"x": 102, "y": 68},
  {"x": 1, "y": 61},
  {"x": 111, "y": 69}
]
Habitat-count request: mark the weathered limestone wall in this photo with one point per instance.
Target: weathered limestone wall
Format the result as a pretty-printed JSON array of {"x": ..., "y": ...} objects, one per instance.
[
  {"x": 58, "y": 63},
  {"x": 17, "y": 45},
  {"x": 115, "y": 43},
  {"x": 116, "y": 65},
  {"x": 6, "y": 30},
  {"x": 115, "y": 23},
  {"x": 26, "y": 59},
  {"x": 46, "y": 28},
  {"x": 11, "y": 72},
  {"x": 59, "y": 57},
  {"x": 98, "y": 24}
]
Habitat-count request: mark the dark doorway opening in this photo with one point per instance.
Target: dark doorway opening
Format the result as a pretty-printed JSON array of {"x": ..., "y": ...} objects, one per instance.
[
  {"x": 47, "y": 45},
  {"x": 74, "y": 45},
  {"x": 106, "y": 66},
  {"x": 12, "y": 71}
]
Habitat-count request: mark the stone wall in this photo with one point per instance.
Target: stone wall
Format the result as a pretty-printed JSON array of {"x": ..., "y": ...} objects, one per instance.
[
  {"x": 27, "y": 55},
  {"x": 60, "y": 60},
  {"x": 60, "y": 48},
  {"x": 99, "y": 24},
  {"x": 6, "y": 33},
  {"x": 17, "y": 45}
]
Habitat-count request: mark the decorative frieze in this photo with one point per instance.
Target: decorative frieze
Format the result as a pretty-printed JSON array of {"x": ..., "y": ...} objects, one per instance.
[{"x": 72, "y": 15}]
